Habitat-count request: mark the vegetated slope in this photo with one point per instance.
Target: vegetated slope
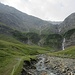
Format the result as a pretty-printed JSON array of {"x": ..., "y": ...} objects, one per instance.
[
  {"x": 68, "y": 52},
  {"x": 11, "y": 33},
  {"x": 28, "y": 38},
  {"x": 21, "y": 21},
  {"x": 49, "y": 29},
  {"x": 54, "y": 41},
  {"x": 13, "y": 52},
  {"x": 69, "y": 38}
]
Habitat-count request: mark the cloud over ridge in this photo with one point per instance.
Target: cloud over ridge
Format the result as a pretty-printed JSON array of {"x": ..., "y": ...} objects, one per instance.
[{"x": 45, "y": 9}]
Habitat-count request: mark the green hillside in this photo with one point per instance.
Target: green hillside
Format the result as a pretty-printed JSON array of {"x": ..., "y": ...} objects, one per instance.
[
  {"x": 68, "y": 52},
  {"x": 12, "y": 54},
  {"x": 23, "y": 37}
]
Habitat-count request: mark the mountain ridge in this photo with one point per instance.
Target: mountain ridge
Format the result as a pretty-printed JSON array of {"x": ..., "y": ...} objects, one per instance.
[
  {"x": 19, "y": 20},
  {"x": 68, "y": 23},
  {"x": 24, "y": 23}
]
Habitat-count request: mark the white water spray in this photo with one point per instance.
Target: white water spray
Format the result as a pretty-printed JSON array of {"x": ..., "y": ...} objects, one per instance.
[{"x": 63, "y": 44}]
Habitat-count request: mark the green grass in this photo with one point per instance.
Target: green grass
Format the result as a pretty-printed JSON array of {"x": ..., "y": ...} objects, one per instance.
[
  {"x": 9, "y": 38},
  {"x": 68, "y": 53},
  {"x": 20, "y": 49},
  {"x": 7, "y": 65},
  {"x": 13, "y": 53}
]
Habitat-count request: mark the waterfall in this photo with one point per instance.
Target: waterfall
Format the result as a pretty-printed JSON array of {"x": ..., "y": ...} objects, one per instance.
[{"x": 63, "y": 44}]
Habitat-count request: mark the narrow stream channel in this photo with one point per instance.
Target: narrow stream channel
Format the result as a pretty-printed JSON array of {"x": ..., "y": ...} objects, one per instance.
[
  {"x": 41, "y": 68},
  {"x": 45, "y": 65}
]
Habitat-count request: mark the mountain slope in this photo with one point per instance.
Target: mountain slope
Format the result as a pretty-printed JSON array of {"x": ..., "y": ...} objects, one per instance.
[
  {"x": 68, "y": 53},
  {"x": 13, "y": 50},
  {"x": 19, "y": 20},
  {"x": 68, "y": 23},
  {"x": 67, "y": 30}
]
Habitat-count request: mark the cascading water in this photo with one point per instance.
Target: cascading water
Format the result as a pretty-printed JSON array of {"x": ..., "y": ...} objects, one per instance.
[
  {"x": 37, "y": 68},
  {"x": 40, "y": 65},
  {"x": 63, "y": 44},
  {"x": 41, "y": 68}
]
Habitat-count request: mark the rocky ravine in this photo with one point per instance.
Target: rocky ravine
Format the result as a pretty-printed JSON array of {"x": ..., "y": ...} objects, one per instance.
[{"x": 47, "y": 65}]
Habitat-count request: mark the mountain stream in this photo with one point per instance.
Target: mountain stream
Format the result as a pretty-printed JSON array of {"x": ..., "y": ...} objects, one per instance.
[
  {"x": 36, "y": 68},
  {"x": 41, "y": 68},
  {"x": 46, "y": 65}
]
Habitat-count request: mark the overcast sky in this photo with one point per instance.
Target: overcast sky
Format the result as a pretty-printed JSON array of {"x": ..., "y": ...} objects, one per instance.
[{"x": 54, "y": 10}]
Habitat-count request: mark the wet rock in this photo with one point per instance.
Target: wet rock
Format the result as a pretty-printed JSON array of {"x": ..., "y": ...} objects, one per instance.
[
  {"x": 28, "y": 66},
  {"x": 62, "y": 66},
  {"x": 44, "y": 73},
  {"x": 54, "y": 65},
  {"x": 47, "y": 61},
  {"x": 29, "y": 73},
  {"x": 33, "y": 67},
  {"x": 27, "y": 63},
  {"x": 33, "y": 61},
  {"x": 24, "y": 72}
]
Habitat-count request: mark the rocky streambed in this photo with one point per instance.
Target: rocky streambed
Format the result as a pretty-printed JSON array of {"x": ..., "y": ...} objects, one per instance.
[
  {"x": 61, "y": 66},
  {"x": 46, "y": 65}
]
